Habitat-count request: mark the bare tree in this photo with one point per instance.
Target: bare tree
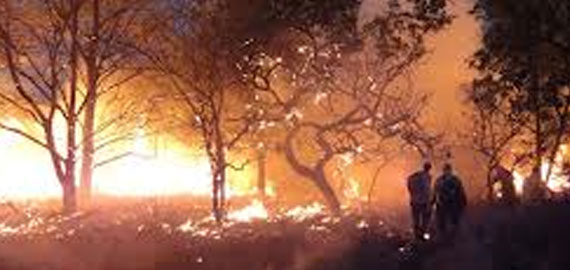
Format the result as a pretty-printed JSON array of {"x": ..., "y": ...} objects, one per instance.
[
  {"x": 40, "y": 52},
  {"x": 342, "y": 95},
  {"x": 493, "y": 134},
  {"x": 523, "y": 66},
  {"x": 310, "y": 71},
  {"x": 207, "y": 84},
  {"x": 46, "y": 51},
  {"x": 113, "y": 56}
]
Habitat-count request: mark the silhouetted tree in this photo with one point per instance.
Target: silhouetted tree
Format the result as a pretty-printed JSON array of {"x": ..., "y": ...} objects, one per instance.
[
  {"x": 524, "y": 69},
  {"x": 40, "y": 53},
  {"x": 493, "y": 134},
  {"x": 198, "y": 56},
  {"x": 337, "y": 92},
  {"x": 48, "y": 48},
  {"x": 112, "y": 34}
]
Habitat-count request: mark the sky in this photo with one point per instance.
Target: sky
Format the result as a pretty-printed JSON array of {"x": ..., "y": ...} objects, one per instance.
[
  {"x": 445, "y": 69},
  {"x": 442, "y": 73}
]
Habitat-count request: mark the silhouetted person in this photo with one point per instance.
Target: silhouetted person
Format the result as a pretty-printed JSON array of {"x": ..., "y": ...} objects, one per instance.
[
  {"x": 450, "y": 200},
  {"x": 534, "y": 189},
  {"x": 419, "y": 187},
  {"x": 505, "y": 177}
]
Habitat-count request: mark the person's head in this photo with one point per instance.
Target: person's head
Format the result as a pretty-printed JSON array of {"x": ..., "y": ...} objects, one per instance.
[
  {"x": 447, "y": 169},
  {"x": 427, "y": 166},
  {"x": 536, "y": 171}
]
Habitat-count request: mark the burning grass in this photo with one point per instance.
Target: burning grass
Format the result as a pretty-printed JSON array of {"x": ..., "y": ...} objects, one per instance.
[
  {"x": 178, "y": 233},
  {"x": 169, "y": 233}
]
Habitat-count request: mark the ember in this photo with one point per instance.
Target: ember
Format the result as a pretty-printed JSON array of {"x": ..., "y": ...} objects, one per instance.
[{"x": 284, "y": 134}]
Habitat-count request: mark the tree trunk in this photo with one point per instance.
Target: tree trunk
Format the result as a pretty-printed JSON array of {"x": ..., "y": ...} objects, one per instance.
[
  {"x": 320, "y": 180},
  {"x": 90, "y": 106},
  {"x": 314, "y": 174},
  {"x": 490, "y": 183},
  {"x": 373, "y": 185},
  {"x": 538, "y": 141},
  {"x": 537, "y": 102},
  {"x": 69, "y": 195},
  {"x": 218, "y": 193},
  {"x": 216, "y": 210},
  {"x": 88, "y": 144},
  {"x": 222, "y": 182},
  {"x": 261, "y": 174}
]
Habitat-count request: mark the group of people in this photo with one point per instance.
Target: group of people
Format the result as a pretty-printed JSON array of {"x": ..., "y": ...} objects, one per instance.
[{"x": 447, "y": 197}]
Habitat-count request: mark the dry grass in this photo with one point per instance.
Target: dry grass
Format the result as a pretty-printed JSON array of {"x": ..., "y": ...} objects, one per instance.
[{"x": 171, "y": 233}]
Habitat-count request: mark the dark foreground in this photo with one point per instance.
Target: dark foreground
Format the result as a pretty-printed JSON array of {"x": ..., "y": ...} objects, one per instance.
[{"x": 163, "y": 235}]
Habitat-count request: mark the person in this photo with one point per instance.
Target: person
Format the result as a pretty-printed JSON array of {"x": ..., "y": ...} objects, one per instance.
[
  {"x": 534, "y": 189},
  {"x": 419, "y": 188},
  {"x": 506, "y": 179},
  {"x": 450, "y": 201}
]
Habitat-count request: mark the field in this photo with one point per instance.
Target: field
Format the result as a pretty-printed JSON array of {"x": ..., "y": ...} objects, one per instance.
[{"x": 177, "y": 233}]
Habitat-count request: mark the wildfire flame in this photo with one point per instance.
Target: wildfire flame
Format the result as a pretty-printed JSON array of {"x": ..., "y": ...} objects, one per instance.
[
  {"x": 557, "y": 181},
  {"x": 27, "y": 171},
  {"x": 254, "y": 211}
]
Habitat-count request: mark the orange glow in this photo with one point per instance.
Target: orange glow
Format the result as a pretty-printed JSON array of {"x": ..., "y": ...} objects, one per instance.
[
  {"x": 557, "y": 182},
  {"x": 26, "y": 168},
  {"x": 27, "y": 171},
  {"x": 254, "y": 211}
]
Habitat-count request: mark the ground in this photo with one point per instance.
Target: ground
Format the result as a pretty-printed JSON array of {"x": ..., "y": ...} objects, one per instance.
[{"x": 177, "y": 234}]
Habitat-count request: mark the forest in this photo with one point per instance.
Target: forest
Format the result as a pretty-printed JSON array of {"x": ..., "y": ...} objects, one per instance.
[{"x": 284, "y": 134}]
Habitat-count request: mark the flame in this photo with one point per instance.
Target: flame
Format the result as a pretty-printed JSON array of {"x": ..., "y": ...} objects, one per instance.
[
  {"x": 301, "y": 213},
  {"x": 27, "y": 170},
  {"x": 557, "y": 181},
  {"x": 352, "y": 192},
  {"x": 255, "y": 211},
  {"x": 146, "y": 173},
  {"x": 519, "y": 182}
]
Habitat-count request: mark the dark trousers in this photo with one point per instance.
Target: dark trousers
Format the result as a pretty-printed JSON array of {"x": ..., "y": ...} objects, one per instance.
[
  {"x": 448, "y": 217},
  {"x": 421, "y": 214}
]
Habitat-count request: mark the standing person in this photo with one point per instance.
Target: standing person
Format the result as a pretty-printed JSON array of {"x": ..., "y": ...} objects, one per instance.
[
  {"x": 534, "y": 189},
  {"x": 419, "y": 187},
  {"x": 505, "y": 177},
  {"x": 450, "y": 200}
]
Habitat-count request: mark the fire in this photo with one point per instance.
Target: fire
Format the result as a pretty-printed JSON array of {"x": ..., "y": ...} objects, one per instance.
[
  {"x": 301, "y": 213},
  {"x": 519, "y": 182},
  {"x": 147, "y": 171},
  {"x": 557, "y": 181},
  {"x": 352, "y": 191},
  {"x": 150, "y": 172},
  {"x": 26, "y": 169},
  {"x": 254, "y": 211}
]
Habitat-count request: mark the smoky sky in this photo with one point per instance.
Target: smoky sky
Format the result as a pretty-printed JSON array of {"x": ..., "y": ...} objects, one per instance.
[{"x": 444, "y": 70}]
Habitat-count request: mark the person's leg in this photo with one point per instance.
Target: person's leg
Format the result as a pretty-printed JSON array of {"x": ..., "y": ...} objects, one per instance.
[
  {"x": 454, "y": 219},
  {"x": 425, "y": 219},
  {"x": 441, "y": 222},
  {"x": 416, "y": 219}
]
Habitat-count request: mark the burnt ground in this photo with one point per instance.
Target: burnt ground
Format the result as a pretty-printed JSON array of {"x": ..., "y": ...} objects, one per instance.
[{"x": 178, "y": 235}]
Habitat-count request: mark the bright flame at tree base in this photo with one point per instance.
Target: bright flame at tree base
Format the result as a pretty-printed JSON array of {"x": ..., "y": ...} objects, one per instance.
[
  {"x": 147, "y": 171},
  {"x": 557, "y": 180}
]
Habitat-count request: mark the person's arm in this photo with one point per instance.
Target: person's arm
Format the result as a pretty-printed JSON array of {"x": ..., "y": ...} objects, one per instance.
[
  {"x": 462, "y": 195},
  {"x": 436, "y": 190}
]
